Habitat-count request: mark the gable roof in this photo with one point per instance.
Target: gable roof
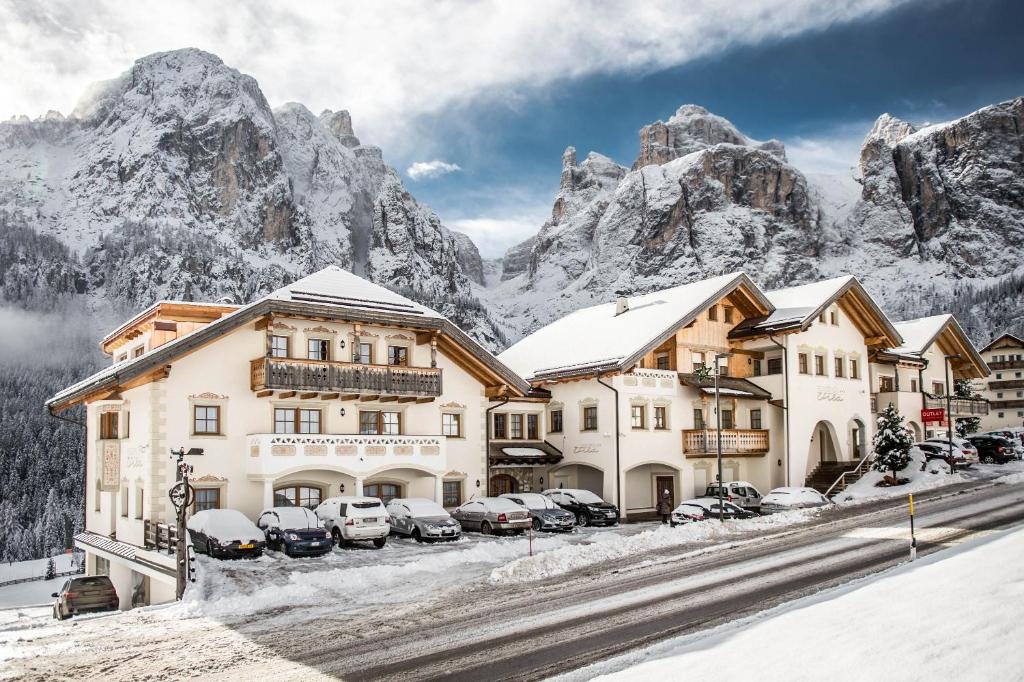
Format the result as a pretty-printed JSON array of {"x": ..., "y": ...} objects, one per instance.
[
  {"x": 331, "y": 293},
  {"x": 1016, "y": 342},
  {"x": 595, "y": 339},
  {"x": 920, "y": 334},
  {"x": 797, "y": 307}
]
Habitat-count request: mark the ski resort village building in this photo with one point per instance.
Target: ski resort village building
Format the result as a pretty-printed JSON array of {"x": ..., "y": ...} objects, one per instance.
[
  {"x": 331, "y": 385},
  {"x": 1005, "y": 388}
]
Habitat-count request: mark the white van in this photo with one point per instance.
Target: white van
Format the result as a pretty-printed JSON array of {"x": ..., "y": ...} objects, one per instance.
[{"x": 349, "y": 518}]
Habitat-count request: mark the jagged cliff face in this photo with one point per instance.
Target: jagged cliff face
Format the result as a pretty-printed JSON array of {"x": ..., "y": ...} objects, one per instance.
[{"x": 177, "y": 179}]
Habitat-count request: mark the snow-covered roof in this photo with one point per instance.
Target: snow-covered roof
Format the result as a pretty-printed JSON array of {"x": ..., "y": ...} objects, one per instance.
[
  {"x": 919, "y": 334},
  {"x": 802, "y": 302},
  {"x": 1015, "y": 340},
  {"x": 335, "y": 286},
  {"x": 596, "y": 338}
]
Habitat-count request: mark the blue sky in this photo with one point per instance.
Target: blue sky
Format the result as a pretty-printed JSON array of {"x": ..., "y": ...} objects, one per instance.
[{"x": 493, "y": 91}]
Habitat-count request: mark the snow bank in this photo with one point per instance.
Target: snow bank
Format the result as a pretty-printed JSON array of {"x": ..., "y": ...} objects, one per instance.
[
  {"x": 839, "y": 630},
  {"x": 226, "y": 525},
  {"x": 607, "y": 547},
  {"x": 786, "y": 496},
  {"x": 1011, "y": 478},
  {"x": 935, "y": 475}
]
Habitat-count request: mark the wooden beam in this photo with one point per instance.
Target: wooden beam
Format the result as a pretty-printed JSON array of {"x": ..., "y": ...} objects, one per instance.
[
  {"x": 264, "y": 394},
  {"x": 424, "y": 400},
  {"x": 369, "y": 397},
  {"x": 496, "y": 391},
  {"x": 307, "y": 396},
  {"x": 350, "y": 396},
  {"x": 284, "y": 395},
  {"x": 407, "y": 399},
  {"x": 388, "y": 398},
  {"x": 263, "y": 323},
  {"x": 329, "y": 396}
]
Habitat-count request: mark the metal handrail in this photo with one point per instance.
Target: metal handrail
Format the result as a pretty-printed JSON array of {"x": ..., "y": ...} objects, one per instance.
[{"x": 842, "y": 476}]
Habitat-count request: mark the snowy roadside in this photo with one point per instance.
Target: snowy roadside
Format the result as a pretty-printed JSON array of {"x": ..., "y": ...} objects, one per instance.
[
  {"x": 914, "y": 600},
  {"x": 935, "y": 475}
]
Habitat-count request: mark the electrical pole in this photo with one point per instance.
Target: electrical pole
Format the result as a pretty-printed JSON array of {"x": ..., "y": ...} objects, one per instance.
[
  {"x": 718, "y": 414},
  {"x": 182, "y": 494},
  {"x": 949, "y": 414}
]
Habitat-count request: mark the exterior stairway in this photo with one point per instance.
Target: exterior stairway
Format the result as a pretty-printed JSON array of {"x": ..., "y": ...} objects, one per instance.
[{"x": 826, "y": 473}]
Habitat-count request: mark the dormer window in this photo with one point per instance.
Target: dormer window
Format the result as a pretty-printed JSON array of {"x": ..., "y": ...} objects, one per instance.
[
  {"x": 661, "y": 361},
  {"x": 713, "y": 313},
  {"x": 727, "y": 312}
]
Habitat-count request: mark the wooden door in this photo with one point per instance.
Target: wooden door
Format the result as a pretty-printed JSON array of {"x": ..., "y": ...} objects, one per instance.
[
  {"x": 664, "y": 483},
  {"x": 503, "y": 483}
]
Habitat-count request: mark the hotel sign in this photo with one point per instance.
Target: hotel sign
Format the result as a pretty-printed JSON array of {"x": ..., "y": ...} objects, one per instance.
[{"x": 110, "y": 464}]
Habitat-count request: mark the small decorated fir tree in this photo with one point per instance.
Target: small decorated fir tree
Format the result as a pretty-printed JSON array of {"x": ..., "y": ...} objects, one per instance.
[{"x": 891, "y": 443}]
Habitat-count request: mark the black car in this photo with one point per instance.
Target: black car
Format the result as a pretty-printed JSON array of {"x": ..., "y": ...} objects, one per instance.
[
  {"x": 80, "y": 595},
  {"x": 589, "y": 509},
  {"x": 711, "y": 511},
  {"x": 545, "y": 513},
  {"x": 994, "y": 449},
  {"x": 296, "y": 531},
  {"x": 225, "y": 534}
]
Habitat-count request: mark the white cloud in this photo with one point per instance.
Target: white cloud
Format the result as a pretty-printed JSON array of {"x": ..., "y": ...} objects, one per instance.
[
  {"x": 835, "y": 150},
  {"x": 494, "y": 236},
  {"x": 388, "y": 63},
  {"x": 428, "y": 170}
]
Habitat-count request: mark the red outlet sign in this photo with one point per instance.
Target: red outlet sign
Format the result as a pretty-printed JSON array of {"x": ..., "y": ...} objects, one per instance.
[{"x": 935, "y": 414}]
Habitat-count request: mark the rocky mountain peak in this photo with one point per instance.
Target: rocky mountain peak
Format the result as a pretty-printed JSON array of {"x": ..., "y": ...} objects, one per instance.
[
  {"x": 340, "y": 123},
  {"x": 693, "y": 128}
]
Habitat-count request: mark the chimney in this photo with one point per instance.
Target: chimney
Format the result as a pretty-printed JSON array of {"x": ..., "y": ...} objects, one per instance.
[{"x": 621, "y": 305}]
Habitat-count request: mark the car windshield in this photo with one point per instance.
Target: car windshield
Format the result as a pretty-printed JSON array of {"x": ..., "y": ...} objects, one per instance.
[
  {"x": 97, "y": 581},
  {"x": 587, "y": 497}
]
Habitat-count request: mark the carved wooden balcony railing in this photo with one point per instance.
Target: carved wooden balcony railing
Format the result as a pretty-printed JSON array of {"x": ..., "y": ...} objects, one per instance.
[
  {"x": 734, "y": 441},
  {"x": 959, "y": 406},
  {"x": 294, "y": 374}
]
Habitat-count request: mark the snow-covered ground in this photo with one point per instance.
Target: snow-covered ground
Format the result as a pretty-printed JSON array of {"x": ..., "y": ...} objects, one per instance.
[
  {"x": 953, "y": 615},
  {"x": 935, "y": 475},
  {"x": 34, "y": 592}
]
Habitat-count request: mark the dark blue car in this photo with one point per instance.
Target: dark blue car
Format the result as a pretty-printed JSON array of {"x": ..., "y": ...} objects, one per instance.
[{"x": 296, "y": 531}]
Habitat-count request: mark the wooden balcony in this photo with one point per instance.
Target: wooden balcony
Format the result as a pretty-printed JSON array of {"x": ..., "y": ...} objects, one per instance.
[
  {"x": 1005, "y": 384},
  {"x": 1006, "y": 364},
  {"x": 160, "y": 536},
  {"x": 960, "y": 407},
  {"x": 741, "y": 442},
  {"x": 320, "y": 376}
]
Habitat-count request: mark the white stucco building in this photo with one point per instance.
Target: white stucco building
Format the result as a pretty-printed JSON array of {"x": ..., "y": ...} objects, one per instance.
[{"x": 1004, "y": 389}]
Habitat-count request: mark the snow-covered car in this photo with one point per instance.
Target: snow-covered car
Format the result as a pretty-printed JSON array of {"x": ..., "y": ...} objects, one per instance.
[
  {"x": 958, "y": 442},
  {"x": 422, "y": 520},
  {"x": 994, "y": 449},
  {"x": 786, "y": 498},
  {"x": 1013, "y": 435},
  {"x": 711, "y": 508},
  {"x": 740, "y": 493},
  {"x": 932, "y": 450},
  {"x": 588, "y": 508},
  {"x": 296, "y": 531},
  {"x": 350, "y": 518},
  {"x": 85, "y": 594},
  {"x": 225, "y": 534},
  {"x": 687, "y": 513},
  {"x": 544, "y": 513},
  {"x": 491, "y": 515}
]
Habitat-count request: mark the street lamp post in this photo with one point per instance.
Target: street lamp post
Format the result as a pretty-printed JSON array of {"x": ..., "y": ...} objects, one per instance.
[
  {"x": 718, "y": 432},
  {"x": 949, "y": 413}
]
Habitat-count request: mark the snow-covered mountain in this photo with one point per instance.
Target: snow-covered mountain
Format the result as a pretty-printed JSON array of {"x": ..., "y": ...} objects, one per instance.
[
  {"x": 935, "y": 223},
  {"x": 177, "y": 179}
]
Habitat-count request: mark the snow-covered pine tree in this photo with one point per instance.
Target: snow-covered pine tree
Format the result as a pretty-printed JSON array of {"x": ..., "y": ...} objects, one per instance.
[
  {"x": 891, "y": 443},
  {"x": 965, "y": 426},
  {"x": 51, "y": 569}
]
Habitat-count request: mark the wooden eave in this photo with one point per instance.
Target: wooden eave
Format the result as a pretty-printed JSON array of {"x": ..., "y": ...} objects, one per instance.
[
  {"x": 167, "y": 311},
  {"x": 951, "y": 340}
]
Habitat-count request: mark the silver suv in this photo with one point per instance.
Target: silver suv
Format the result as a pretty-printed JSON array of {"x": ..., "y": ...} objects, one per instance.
[
  {"x": 740, "y": 493},
  {"x": 355, "y": 518}
]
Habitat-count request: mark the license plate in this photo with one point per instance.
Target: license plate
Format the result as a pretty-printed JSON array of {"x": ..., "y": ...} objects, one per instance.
[
  {"x": 315, "y": 543},
  {"x": 248, "y": 546},
  {"x": 369, "y": 521}
]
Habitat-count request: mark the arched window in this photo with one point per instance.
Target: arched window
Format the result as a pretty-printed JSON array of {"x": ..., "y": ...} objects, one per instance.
[
  {"x": 298, "y": 496},
  {"x": 385, "y": 491}
]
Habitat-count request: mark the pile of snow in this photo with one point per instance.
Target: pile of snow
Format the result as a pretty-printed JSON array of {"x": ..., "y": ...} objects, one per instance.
[
  {"x": 421, "y": 507},
  {"x": 608, "y": 547},
  {"x": 289, "y": 518},
  {"x": 226, "y": 525},
  {"x": 935, "y": 475},
  {"x": 793, "y": 496},
  {"x": 797, "y": 641},
  {"x": 1011, "y": 478}
]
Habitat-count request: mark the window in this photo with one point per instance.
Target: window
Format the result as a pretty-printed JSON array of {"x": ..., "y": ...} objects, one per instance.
[
  {"x": 713, "y": 313},
  {"x": 451, "y": 425},
  {"x": 452, "y": 494},
  {"x": 398, "y": 355},
  {"x": 698, "y": 361},
  {"x": 532, "y": 427},
  {"x": 317, "y": 349},
  {"x": 1000, "y": 416},
  {"x": 556, "y": 421},
  {"x": 660, "y": 418},
  {"x": 363, "y": 353},
  {"x": 854, "y": 369},
  {"x": 999, "y": 394},
  {"x": 840, "y": 362},
  {"x": 98, "y": 494},
  {"x": 515, "y": 426},
  {"x": 298, "y": 496},
  {"x": 661, "y": 361},
  {"x": 500, "y": 420},
  {"x": 207, "y": 498},
  {"x": 637, "y": 416},
  {"x": 885, "y": 384},
  {"x": 138, "y": 351},
  {"x": 206, "y": 420},
  {"x": 819, "y": 365},
  {"x": 913, "y": 385},
  {"x": 938, "y": 388},
  {"x": 373, "y": 422},
  {"x": 834, "y": 317},
  {"x": 774, "y": 365},
  {"x": 757, "y": 368},
  {"x": 802, "y": 362},
  {"x": 727, "y": 313},
  {"x": 108, "y": 425},
  {"x": 292, "y": 420},
  {"x": 590, "y": 418},
  {"x": 122, "y": 357},
  {"x": 278, "y": 346},
  {"x": 727, "y": 420},
  {"x": 698, "y": 418},
  {"x": 385, "y": 491},
  {"x": 755, "y": 419},
  {"x": 138, "y": 503},
  {"x": 124, "y": 502},
  {"x": 999, "y": 375},
  {"x": 821, "y": 317}
]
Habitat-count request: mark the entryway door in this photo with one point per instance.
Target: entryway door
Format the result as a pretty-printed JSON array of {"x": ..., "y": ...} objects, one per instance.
[
  {"x": 503, "y": 483},
  {"x": 664, "y": 483}
]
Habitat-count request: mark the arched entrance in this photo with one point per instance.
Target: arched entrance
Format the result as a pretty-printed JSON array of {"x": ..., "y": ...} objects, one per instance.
[
  {"x": 580, "y": 476},
  {"x": 915, "y": 431},
  {"x": 387, "y": 484},
  {"x": 646, "y": 484},
  {"x": 858, "y": 439},
  {"x": 824, "y": 447},
  {"x": 503, "y": 483}
]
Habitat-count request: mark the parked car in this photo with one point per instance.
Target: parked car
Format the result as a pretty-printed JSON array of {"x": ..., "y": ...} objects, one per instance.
[
  {"x": 296, "y": 531},
  {"x": 545, "y": 514},
  {"x": 350, "y": 518},
  {"x": 738, "y": 492},
  {"x": 491, "y": 515},
  {"x": 932, "y": 450},
  {"x": 958, "y": 442},
  {"x": 786, "y": 498},
  {"x": 422, "y": 520},
  {"x": 710, "y": 507},
  {"x": 588, "y": 508},
  {"x": 1012, "y": 435},
  {"x": 225, "y": 534},
  {"x": 688, "y": 513},
  {"x": 81, "y": 595},
  {"x": 994, "y": 449}
]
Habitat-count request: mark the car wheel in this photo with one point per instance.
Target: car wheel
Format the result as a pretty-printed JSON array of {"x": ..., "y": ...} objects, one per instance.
[
  {"x": 380, "y": 542},
  {"x": 536, "y": 525},
  {"x": 582, "y": 519},
  {"x": 336, "y": 536},
  {"x": 988, "y": 459},
  {"x": 416, "y": 535},
  {"x": 485, "y": 529}
]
